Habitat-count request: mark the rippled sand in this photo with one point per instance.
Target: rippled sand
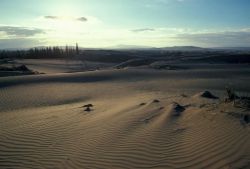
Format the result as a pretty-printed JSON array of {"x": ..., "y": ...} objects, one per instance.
[{"x": 43, "y": 123}]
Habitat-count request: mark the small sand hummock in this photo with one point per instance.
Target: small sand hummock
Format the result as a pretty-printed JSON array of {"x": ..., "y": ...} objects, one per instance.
[
  {"x": 156, "y": 101},
  {"x": 143, "y": 104},
  {"x": 206, "y": 94},
  {"x": 88, "y": 107},
  {"x": 177, "y": 109},
  {"x": 246, "y": 118}
]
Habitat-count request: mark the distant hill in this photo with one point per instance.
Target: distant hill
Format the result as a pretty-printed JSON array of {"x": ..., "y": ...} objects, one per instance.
[
  {"x": 134, "y": 47},
  {"x": 184, "y": 48},
  {"x": 234, "y": 48}
]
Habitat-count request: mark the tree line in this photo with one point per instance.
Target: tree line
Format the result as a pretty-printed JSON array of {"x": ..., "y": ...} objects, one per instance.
[{"x": 38, "y": 53}]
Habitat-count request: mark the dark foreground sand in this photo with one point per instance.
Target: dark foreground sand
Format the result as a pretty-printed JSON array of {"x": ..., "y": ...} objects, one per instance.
[{"x": 140, "y": 119}]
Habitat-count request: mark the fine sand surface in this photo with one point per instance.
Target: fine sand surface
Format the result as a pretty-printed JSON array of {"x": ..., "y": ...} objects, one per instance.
[{"x": 141, "y": 118}]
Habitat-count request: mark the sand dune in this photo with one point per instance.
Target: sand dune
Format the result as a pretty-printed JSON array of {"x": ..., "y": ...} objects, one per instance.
[{"x": 44, "y": 125}]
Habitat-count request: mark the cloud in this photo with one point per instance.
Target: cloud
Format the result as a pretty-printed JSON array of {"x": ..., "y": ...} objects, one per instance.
[
  {"x": 20, "y": 43},
  {"x": 143, "y": 30},
  {"x": 226, "y": 38},
  {"x": 70, "y": 18},
  {"x": 20, "y": 37},
  {"x": 20, "y": 31},
  {"x": 51, "y": 17},
  {"x": 82, "y": 19}
]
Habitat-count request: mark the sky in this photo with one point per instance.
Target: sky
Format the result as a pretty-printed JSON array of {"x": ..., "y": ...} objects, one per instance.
[{"x": 112, "y": 23}]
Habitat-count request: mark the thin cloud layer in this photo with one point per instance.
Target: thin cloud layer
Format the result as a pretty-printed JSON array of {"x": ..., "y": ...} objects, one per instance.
[
  {"x": 19, "y": 43},
  {"x": 226, "y": 38},
  {"x": 52, "y": 17},
  {"x": 20, "y": 31},
  {"x": 143, "y": 30}
]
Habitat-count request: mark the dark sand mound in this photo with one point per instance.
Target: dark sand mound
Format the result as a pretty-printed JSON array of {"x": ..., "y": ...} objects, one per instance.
[
  {"x": 246, "y": 118},
  {"x": 156, "y": 101},
  {"x": 22, "y": 68},
  {"x": 88, "y": 107},
  {"x": 15, "y": 70},
  {"x": 142, "y": 104},
  {"x": 206, "y": 94},
  {"x": 176, "y": 109}
]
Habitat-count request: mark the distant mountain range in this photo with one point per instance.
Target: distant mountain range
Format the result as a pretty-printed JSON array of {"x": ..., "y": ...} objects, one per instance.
[
  {"x": 137, "y": 47},
  {"x": 185, "y": 48},
  {"x": 178, "y": 48}
]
